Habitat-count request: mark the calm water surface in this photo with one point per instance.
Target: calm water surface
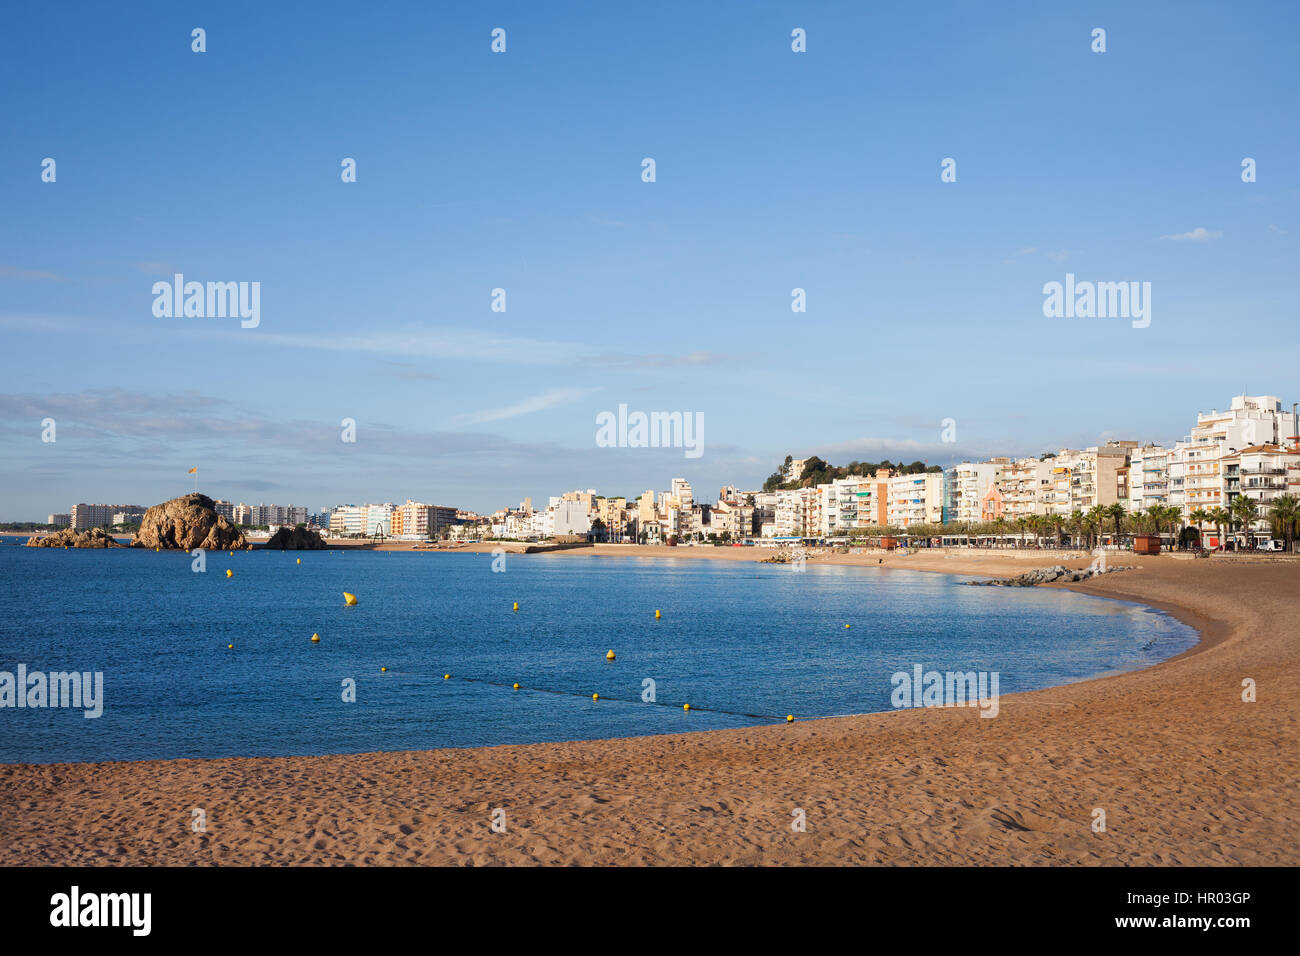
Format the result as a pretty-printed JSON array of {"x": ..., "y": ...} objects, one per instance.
[{"x": 754, "y": 641}]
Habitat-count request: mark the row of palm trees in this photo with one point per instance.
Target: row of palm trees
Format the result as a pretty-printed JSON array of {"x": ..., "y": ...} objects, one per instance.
[{"x": 1087, "y": 528}]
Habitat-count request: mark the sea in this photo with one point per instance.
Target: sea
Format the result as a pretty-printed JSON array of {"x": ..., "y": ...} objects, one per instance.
[{"x": 201, "y": 663}]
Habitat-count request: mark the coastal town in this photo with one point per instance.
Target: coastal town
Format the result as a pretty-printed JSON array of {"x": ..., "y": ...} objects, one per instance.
[{"x": 1232, "y": 482}]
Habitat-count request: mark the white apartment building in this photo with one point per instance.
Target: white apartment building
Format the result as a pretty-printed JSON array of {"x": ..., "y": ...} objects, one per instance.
[
  {"x": 1261, "y": 473},
  {"x": 797, "y": 511},
  {"x": 915, "y": 499},
  {"x": 681, "y": 490},
  {"x": 1020, "y": 486},
  {"x": 361, "y": 519},
  {"x": 348, "y": 520},
  {"x": 1197, "y": 477},
  {"x": 1148, "y": 477}
]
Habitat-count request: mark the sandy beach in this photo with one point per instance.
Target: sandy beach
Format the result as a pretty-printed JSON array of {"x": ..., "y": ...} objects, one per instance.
[{"x": 1184, "y": 770}]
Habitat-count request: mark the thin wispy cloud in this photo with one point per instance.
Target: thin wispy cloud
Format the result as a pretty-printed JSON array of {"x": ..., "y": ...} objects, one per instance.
[
  {"x": 28, "y": 275},
  {"x": 441, "y": 344},
  {"x": 1199, "y": 234},
  {"x": 535, "y": 403}
]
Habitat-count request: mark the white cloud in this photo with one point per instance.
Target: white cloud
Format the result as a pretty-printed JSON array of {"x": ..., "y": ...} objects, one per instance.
[
  {"x": 535, "y": 403},
  {"x": 29, "y": 275},
  {"x": 1199, "y": 234}
]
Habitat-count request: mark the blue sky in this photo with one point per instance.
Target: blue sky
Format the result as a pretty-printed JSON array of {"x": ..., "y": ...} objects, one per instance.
[{"x": 522, "y": 171}]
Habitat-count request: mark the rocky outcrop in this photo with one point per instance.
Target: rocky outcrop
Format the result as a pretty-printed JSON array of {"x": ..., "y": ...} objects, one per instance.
[
  {"x": 68, "y": 538},
  {"x": 295, "y": 539},
  {"x": 186, "y": 523},
  {"x": 1058, "y": 574}
]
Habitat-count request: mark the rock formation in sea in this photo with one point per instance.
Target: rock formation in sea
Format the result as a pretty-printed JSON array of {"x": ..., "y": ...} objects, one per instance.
[
  {"x": 70, "y": 538},
  {"x": 186, "y": 523},
  {"x": 295, "y": 539}
]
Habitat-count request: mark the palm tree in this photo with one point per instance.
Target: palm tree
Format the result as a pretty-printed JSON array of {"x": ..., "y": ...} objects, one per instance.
[
  {"x": 1021, "y": 524},
  {"x": 1155, "y": 515},
  {"x": 1057, "y": 524},
  {"x": 1076, "y": 525},
  {"x": 1096, "y": 515},
  {"x": 999, "y": 525},
  {"x": 1117, "y": 512},
  {"x": 1244, "y": 511},
  {"x": 1285, "y": 510},
  {"x": 1174, "y": 515},
  {"x": 1220, "y": 517},
  {"x": 1198, "y": 517}
]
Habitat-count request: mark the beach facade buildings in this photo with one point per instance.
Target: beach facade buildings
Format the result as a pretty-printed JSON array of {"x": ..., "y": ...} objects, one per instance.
[{"x": 1248, "y": 450}]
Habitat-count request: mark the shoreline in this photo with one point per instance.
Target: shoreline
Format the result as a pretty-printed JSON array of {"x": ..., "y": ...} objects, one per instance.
[{"x": 565, "y": 777}]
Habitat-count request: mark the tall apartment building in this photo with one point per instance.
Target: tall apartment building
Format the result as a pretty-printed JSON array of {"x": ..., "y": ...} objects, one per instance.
[
  {"x": 1197, "y": 475},
  {"x": 915, "y": 499},
  {"x": 1020, "y": 486},
  {"x": 1148, "y": 479},
  {"x": 790, "y": 516},
  {"x": 83, "y": 516},
  {"x": 681, "y": 490},
  {"x": 416, "y": 518},
  {"x": 764, "y": 513},
  {"x": 59, "y": 521},
  {"x": 348, "y": 520}
]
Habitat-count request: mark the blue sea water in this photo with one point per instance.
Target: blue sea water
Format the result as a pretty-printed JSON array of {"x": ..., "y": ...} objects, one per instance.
[{"x": 741, "y": 642}]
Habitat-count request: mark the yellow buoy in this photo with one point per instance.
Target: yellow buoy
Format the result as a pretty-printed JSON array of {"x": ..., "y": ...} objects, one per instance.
[
  {"x": 657, "y": 614},
  {"x": 383, "y": 669},
  {"x": 516, "y": 607},
  {"x": 300, "y": 560},
  {"x": 595, "y": 697},
  {"x": 516, "y": 687},
  {"x": 315, "y": 638},
  {"x": 609, "y": 655},
  {"x": 230, "y": 647},
  {"x": 232, "y": 554},
  {"x": 446, "y": 677},
  {"x": 229, "y": 573},
  {"x": 686, "y": 706},
  {"x": 789, "y": 718},
  {"x": 848, "y": 625},
  {"x": 349, "y": 599}
]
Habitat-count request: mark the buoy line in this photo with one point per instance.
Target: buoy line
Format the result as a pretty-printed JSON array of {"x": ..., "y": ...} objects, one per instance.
[{"x": 621, "y": 700}]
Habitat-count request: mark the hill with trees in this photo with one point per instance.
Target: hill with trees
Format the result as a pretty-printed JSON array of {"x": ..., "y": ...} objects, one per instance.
[{"x": 817, "y": 471}]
